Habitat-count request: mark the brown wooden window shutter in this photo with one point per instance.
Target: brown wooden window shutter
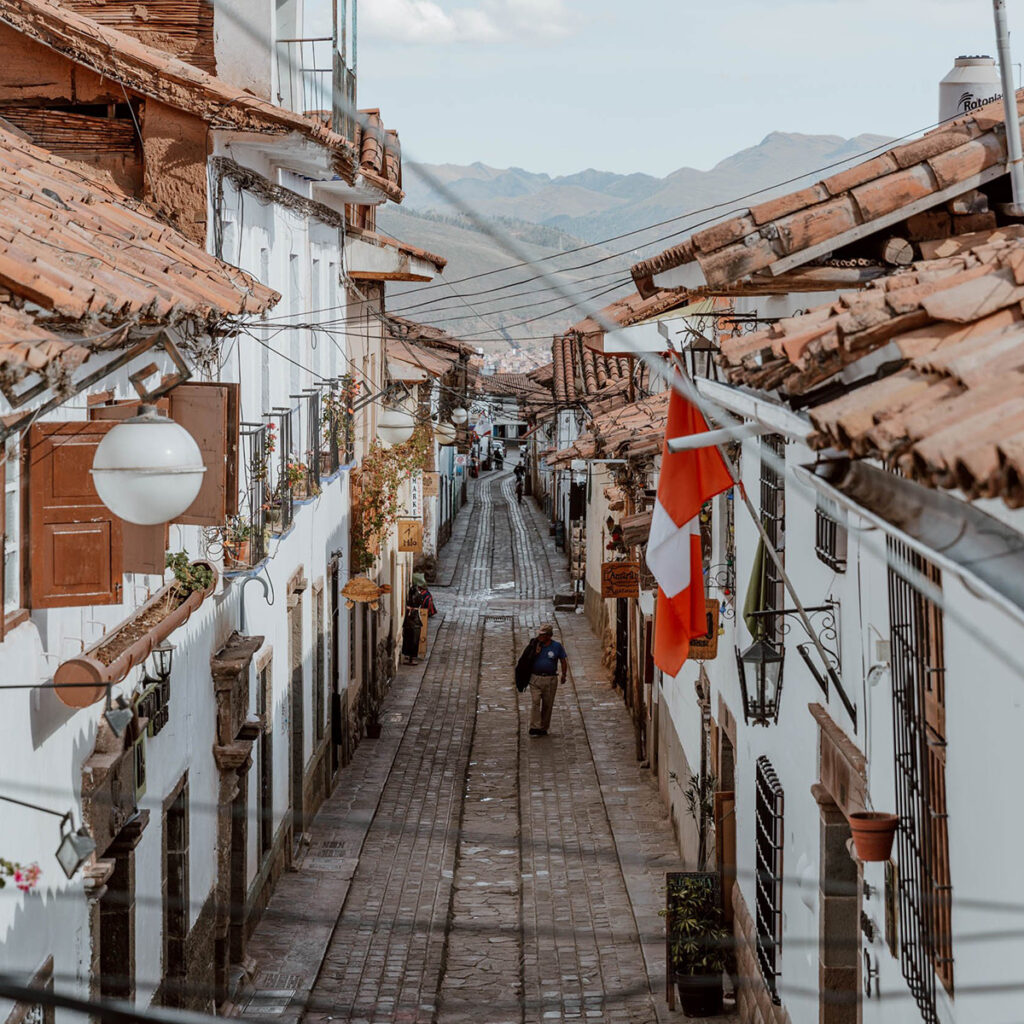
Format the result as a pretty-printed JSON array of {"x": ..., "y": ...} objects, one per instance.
[
  {"x": 145, "y": 547},
  {"x": 209, "y": 412},
  {"x": 3, "y": 540},
  {"x": 76, "y": 547}
]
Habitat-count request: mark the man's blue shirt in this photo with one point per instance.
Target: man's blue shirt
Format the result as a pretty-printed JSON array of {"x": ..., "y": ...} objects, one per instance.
[{"x": 545, "y": 663}]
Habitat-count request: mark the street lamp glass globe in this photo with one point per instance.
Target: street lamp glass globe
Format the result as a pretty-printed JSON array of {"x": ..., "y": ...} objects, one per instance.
[
  {"x": 395, "y": 426},
  {"x": 445, "y": 433},
  {"x": 148, "y": 469},
  {"x": 459, "y": 415}
]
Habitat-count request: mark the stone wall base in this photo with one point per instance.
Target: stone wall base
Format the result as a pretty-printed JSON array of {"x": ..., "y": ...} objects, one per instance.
[
  {"x": 673, "y": 774},
  {"x": 753, "y": 1000}
]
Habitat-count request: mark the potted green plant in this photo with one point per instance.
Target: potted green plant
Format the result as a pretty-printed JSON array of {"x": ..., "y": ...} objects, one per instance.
[
  {"x": 369, "y": 711},
  {"x": 237, "y": 539},
  {"x": 698, "y": 945}
]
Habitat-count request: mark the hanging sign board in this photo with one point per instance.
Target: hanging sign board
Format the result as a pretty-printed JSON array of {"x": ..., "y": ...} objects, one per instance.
[
  {"x": 461, "y": 460},
  {"x": 410, "y": 534},
  {"x": 431, "y": 485},
  {"x": 705, "y": 648},
  {"x": 620, "y": 579},
  {"x": 415, "y": 510}
]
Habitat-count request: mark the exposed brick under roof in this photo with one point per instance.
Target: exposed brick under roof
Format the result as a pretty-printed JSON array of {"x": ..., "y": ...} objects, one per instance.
[
  {"x": 735, "y": 249},
  {"x": 156, "y": 74}
]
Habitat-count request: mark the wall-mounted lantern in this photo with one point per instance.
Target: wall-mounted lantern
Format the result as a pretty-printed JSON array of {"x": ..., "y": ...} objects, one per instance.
[{"x": 760, "y": 670}]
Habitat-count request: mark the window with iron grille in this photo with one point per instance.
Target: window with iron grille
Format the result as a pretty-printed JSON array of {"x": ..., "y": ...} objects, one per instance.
[
  {"x": 768, "y": 809},
  {"x": 919, "y": 724},
  {"x": 830, "y": 534},
  {"x": 773, "y": 516}
]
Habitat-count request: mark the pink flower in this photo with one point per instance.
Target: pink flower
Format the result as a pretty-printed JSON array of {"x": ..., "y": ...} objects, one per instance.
[{"x": 27, "y": 878}]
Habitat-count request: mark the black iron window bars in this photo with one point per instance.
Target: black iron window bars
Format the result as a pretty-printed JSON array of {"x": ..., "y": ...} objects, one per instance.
[
  {"x": 768, "y": 814},
  {"x": 829, "y": 534},
  {"x": 922, "y": 839}
]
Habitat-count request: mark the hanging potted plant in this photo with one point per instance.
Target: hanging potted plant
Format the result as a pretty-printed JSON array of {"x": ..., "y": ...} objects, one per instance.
[
  {"x": 873, "y": 834},
  {"x": 698, "y": 945},
  {"x": 237, "y": 539}
]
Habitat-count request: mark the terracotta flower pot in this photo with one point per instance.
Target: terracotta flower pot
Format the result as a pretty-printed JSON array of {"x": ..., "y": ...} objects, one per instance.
[
  {"x": 238, "y": 553},
  {"x": 873, "y": 833}
]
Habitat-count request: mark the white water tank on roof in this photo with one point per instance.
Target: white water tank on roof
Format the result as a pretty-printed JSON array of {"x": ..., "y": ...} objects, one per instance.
[{"x": 973, "y": 82}]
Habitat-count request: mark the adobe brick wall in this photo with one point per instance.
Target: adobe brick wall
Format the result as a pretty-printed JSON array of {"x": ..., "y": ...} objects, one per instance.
[
  {"x": 175, "y": 149},
  {"x": 753, "y": 1002}
]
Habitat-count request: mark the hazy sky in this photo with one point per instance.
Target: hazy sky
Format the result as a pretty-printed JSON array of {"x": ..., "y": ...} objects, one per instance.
[{"x": 653, "y": 85}]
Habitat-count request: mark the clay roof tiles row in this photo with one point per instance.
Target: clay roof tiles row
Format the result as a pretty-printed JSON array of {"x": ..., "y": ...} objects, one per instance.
[
  {"x": 754, "y": 239},
  {"x": 904, "y": 314},
  {"x": 82, "y": 249},
  {"x": 631, "y": 430}
]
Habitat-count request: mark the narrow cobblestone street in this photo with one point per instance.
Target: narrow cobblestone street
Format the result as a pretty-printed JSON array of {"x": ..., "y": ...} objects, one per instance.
[{"x": 463, "y": 870}]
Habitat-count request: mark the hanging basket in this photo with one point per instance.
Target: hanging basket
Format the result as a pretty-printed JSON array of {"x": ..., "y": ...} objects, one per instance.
[{"x": 873, "y": 833}]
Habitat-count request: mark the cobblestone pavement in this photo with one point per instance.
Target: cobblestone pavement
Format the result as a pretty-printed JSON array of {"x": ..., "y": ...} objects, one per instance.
[{"x": 480, "y": 874}]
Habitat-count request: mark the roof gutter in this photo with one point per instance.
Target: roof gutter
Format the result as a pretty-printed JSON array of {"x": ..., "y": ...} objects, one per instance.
[
  {"x": 776, "y": 417},
  {"x": 984, "y": 553}
]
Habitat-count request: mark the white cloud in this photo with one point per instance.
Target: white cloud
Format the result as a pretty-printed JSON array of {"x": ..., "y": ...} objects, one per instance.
[{"x": 492, "y": 21}]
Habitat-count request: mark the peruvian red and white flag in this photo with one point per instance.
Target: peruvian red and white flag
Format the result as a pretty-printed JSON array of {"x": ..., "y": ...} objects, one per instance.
[{"x": 687, "y": 480}]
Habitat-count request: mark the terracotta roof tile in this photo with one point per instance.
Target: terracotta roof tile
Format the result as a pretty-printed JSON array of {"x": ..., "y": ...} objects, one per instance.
[
  {"x": 631, "y": 430},
  {"x": 952, "y": 415},
  {"x": 754, "y": 239},
  {"x": 79, "y": 248}
]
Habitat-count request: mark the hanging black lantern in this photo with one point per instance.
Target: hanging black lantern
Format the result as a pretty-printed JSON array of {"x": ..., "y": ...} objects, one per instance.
[{"x": 760, "y": 670}]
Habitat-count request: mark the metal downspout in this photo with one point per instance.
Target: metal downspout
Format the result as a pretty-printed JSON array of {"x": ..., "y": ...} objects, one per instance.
[{"x": 1015, "y": 158}]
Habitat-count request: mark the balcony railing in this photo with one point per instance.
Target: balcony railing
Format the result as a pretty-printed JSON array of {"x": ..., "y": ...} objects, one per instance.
[
  {"x": 306, "y": 75},
  {"x": 282, "y": 497},
  {"x": 248, "y": 546},
  {"x": 309, "y": 409}
]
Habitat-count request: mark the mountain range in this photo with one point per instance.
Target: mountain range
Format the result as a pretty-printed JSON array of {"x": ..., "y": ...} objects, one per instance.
[{"x": 549, "y": 215}]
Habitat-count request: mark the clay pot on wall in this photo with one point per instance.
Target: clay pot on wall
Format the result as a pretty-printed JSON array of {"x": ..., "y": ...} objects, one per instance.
[{"x": 873, "y": 833}]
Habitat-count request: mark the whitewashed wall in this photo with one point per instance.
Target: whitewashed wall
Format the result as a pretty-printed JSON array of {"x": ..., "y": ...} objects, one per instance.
[{"x": 984, "y": 716}]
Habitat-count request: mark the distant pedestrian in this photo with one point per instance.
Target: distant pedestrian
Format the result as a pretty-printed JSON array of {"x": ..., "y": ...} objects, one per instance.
[
  {"x": 520, "y": 471},
  {"x": 519, "y": 492},
  {"x": 412, "y": 626},
  {"x": 420, "y": 596},
  {"x": 549, "y": 658}
]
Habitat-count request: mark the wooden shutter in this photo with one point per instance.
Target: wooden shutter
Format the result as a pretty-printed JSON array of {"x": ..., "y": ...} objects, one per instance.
[
  {"x": 76, "y": 547},
  {"x": 3, "y": 538},
  {"x": 144, "y": 546},
  {"x": 209, "y": 412}
]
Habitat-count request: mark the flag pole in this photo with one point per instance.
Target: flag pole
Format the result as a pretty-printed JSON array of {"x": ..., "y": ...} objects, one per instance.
[{"x": 685, "y": 386}]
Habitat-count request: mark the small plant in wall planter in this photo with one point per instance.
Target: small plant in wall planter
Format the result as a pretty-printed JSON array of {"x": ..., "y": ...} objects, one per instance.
[{"x": 189, "y": 576}]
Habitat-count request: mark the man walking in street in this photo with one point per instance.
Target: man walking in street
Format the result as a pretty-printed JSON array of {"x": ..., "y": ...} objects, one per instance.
[{"x": 549, "y": 658}]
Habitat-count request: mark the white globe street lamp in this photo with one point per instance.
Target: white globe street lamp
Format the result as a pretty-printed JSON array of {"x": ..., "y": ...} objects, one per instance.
[
  {"x": 445, "y": 433},
  {"x": 394, "y": 426},
  {"x": 459, "y": 415},
  {"x": 148, "y": 469}
]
